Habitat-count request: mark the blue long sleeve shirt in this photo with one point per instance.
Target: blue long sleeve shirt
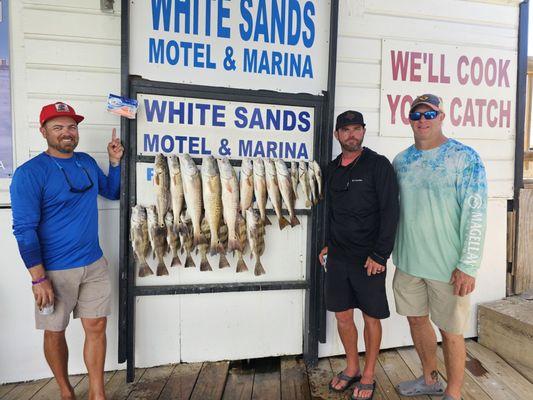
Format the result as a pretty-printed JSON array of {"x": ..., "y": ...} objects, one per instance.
[{"x": 54, "y": 226}]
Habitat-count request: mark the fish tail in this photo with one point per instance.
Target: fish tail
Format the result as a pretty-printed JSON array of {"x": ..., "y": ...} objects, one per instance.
[
  {"x": 176, "y": 262},
  {"x": 204, "y": 265},
  {"x": 294, "y": 221},
  {"x": 283, "y": 223},
  {"x": 308, "y": 203},
  {"x": 145, "y": 270},
  {"x": 241, "y": 265},
  {"x": 161, "y": 269},
  {"x": 189, "y": 263},
  {"x": 223, "y": 261},
  {"x": 197, "y": 239},
  {"x": 267, "y": 221},
  {"x": 259, "y": 270}
]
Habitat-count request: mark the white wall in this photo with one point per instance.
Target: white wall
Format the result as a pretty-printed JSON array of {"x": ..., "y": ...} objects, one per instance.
[{"x": 482, "y": 24}]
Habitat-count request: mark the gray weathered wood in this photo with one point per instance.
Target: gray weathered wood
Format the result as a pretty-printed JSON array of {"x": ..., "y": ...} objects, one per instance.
[
  {"x": 6, "y": 388},
  {"x": 25, "y": 390},
  {"x": 181, "y": 382},
  {"x": 239, "y": 384},
  {"x": 523, "y": 279},
  {"x": 495, "y": 364},
  {"x": 294, "y": 380},
  {"x": 151, "y": 383},
  {"x": 506, "y": 327},
  {"x": 118, "y": 389},
  {"x": 211, "y": 381},
  {"x": 267, "y": 385},
  {"x": 51, "y": 389}
]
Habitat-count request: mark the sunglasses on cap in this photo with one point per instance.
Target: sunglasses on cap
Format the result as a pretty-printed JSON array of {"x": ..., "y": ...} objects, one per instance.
[{"x": 415, "y": 116}]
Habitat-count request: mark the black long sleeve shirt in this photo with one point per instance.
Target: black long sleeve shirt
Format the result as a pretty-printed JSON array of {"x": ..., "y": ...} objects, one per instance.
[{"x": 362, "y": 207}]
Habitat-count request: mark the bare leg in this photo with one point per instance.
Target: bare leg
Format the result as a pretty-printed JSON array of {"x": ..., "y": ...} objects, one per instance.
[
  {"x": 94, "y": 355},
  {"x": 372, "y": 335},
  {"x": 425, "y": 342},
  {"x": 56, "y": 354},
  {"x": 348, "y": 335},
  {"x": 454, "y": 350}
]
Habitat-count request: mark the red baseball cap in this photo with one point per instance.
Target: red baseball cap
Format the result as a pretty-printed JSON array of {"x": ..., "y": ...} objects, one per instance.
[{"x": 58, "y": 109}]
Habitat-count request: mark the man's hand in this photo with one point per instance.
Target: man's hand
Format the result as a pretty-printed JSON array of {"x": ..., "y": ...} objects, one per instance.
[
  {"x": 115, "y": 149},
  {"x": 463, "y": 283},
  {"x": 323, "y": 252},
  {"x": 43, "y": 292},
  {"x": 372, "y": 267}
]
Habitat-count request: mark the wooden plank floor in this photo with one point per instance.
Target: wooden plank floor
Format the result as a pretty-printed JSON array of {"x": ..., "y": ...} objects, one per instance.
[{"x": 286, "y": 378}]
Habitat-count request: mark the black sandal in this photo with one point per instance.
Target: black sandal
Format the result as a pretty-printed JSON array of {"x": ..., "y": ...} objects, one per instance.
[
  {"x": 350, "y": 380},
  {"x": 364, "y": 386}
]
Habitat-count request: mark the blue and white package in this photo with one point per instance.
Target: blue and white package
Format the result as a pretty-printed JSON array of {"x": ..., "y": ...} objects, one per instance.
[{"x": 122, "y": 106}]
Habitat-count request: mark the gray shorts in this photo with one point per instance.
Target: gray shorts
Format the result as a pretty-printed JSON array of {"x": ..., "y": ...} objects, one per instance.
[{"x": 84, "y": 291}]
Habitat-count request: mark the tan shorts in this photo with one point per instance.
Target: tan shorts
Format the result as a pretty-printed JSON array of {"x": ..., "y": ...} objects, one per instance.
[
  {"x": 417, "y": 297},
  {"x": 85, "y": 291}
]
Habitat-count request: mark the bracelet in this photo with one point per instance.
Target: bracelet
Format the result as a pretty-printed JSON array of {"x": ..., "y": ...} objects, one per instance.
[{"x": 40, "y": 280}]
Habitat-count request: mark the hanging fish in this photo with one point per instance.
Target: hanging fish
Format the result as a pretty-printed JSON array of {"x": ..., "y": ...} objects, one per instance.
[{"x": 139, "y": 239}]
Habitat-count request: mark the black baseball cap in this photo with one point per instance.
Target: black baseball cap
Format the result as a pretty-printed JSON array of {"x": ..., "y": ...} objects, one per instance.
[
  {"x": 349, "y": 118},
  {"x": 430, "y": 100}
]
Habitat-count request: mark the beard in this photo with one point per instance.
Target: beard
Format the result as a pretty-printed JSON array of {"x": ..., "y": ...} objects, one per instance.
[
  {"x": 351, "y": 146},
  {"x": 64, "y": 147}
]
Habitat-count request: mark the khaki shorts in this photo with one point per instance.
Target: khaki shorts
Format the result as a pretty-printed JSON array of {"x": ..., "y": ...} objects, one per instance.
[
  {"x": 85, "y": 291},
  {"x": 418, "y": 297}
]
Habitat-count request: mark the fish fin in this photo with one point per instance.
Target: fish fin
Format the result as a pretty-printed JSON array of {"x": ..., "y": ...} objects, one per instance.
[
  {"x": 204, "y": 265},
  {"x": 241, "y": 265},
  {"x": 259, "y": 270},
  {"x": 161, "y": 269},
  {"x": 183, "y": 229},
  {"x": 267, "y": 221},
  {"x": 145, "y": 270},
  {"x": 294, "y": 221},
  {"x": 156, "y": 179},
  {"x": 176, "y": 262},
  {"x": 223, "y": 261},
  {"x": 308, "y": 203},
  {"x": 283, "y": 223},
  {"x": 189, "y": 263},
  {"x": 221, "y": 249}
]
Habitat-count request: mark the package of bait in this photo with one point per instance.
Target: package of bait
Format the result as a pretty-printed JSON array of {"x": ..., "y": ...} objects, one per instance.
[{"x": 122, "y": 106}]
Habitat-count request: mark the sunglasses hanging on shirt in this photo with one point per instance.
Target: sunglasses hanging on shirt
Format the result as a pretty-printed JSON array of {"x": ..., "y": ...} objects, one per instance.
[
  {"x": 415, "y": 116},
  {"x": 72, "y": 188}
]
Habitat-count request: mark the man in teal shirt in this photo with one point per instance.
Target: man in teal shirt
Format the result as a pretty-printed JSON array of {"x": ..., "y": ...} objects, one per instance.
[{"x": 439, "y": 244}]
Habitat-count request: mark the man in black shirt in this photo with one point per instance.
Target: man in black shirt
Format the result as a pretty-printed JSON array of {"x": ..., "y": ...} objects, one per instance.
[{"x": 362, "y": 214}]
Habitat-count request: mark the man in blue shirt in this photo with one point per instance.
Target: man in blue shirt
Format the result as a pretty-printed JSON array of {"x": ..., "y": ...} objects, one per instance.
[{"x": 55, "y": 222}]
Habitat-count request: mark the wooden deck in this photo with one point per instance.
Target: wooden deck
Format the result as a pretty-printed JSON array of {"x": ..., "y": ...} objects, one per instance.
[{"x": 487, "y": 377}]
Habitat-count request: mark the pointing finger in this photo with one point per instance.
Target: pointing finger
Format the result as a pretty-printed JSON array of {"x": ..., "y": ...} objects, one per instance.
[{"x": 114, "y": 134}]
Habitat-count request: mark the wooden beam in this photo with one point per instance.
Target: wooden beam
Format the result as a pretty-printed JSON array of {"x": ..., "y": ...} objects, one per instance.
[
  {"x": 240, "y": 382},
  {"x": 211, "y": 381},
  {"x": 267, "y": 382},
  {"x": 523, "y": 277},
  {"x": 294, "y": 380}
]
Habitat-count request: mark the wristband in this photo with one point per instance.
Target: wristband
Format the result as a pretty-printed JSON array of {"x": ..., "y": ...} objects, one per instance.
[{"x": 40, "y": 280}]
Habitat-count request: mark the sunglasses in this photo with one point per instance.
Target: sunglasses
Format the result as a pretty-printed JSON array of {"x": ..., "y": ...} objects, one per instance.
[
  {"x": 72, "y": 188},
  {"x": 415, "y": 116}
]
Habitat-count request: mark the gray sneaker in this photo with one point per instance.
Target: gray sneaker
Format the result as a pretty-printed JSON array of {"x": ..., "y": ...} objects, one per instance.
[{"x": 419, "y": 387}]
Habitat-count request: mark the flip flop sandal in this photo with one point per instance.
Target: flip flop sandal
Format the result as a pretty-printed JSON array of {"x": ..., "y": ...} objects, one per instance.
[
  {"x": 350, "y": 380},
  {"x": 364, "y": 386},
  {"x": 418, "y": 387}
]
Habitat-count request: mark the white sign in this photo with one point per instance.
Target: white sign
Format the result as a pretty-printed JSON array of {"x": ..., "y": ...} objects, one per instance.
[
  {"x": 250, "y": 44},
  {"x": 478, "y": 87},
  {"x": 201, "y": 127}
]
